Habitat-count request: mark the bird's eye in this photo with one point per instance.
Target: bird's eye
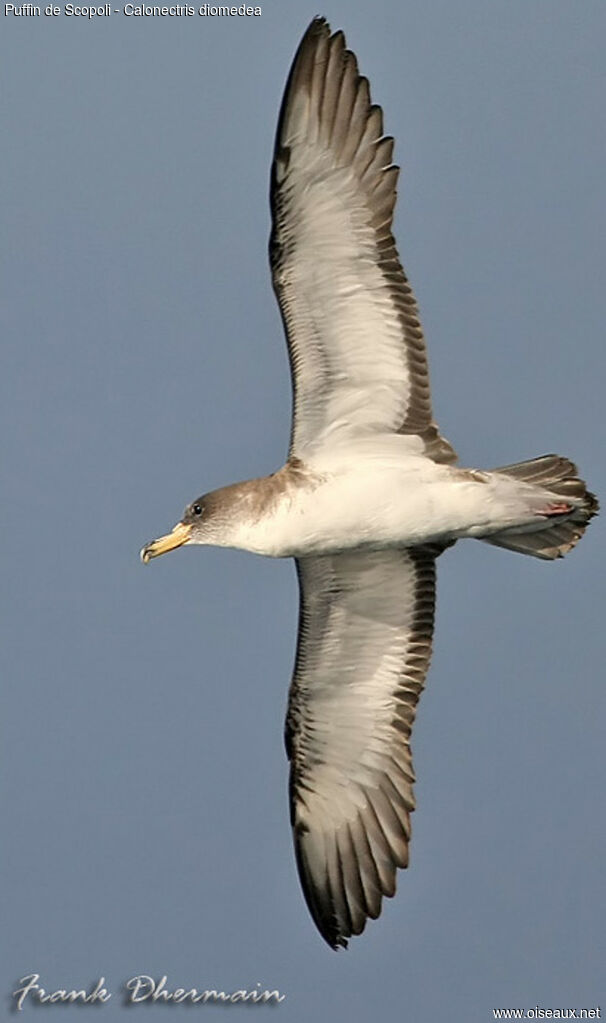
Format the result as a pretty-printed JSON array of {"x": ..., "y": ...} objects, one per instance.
[{"x": 197, "y": 509}]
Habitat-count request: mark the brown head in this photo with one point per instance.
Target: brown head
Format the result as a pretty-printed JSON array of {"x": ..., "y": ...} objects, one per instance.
[{"x": 209, "y": 519}]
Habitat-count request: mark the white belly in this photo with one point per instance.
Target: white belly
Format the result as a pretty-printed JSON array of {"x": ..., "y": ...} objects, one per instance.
[{"x": 370, "y": 506}]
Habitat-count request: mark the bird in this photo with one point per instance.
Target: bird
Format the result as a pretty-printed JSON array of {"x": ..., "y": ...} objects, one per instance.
[{"x": 370, "y": 495}]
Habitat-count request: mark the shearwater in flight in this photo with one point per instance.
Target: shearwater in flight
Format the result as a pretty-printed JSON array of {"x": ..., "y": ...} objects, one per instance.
[{"x": 370, "y": 494}]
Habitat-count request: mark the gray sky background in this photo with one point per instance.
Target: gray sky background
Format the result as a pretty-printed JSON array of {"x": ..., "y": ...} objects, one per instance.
[{"x": 145, "y": 808}]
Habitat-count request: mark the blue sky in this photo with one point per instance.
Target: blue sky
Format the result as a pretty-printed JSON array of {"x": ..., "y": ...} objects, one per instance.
[{"x": 145, "y": 796}]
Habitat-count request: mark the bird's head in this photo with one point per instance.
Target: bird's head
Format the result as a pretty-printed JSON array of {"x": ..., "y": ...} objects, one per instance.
[{"x": 193, "y": 528}]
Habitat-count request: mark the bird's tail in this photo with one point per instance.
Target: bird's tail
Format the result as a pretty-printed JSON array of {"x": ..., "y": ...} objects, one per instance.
[{"x": 573, "y": 507}]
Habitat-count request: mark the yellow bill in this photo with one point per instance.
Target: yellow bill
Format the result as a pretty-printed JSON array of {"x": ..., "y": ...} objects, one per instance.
[{"x": 179, "y": 535}]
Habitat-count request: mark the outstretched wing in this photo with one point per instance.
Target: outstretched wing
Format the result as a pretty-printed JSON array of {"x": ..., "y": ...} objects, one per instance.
[
  {"x": 356, "y": 346},
  {"x": 365, "y": 633}
]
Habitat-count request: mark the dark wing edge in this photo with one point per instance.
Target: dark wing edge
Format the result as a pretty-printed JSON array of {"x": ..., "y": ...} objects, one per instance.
[
  {"x": 351, "y": 126},
  {"x": 351, "y": 825}
]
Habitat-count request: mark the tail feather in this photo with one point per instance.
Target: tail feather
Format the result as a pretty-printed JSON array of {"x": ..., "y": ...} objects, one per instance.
[{"x": 558, "y": 476}]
